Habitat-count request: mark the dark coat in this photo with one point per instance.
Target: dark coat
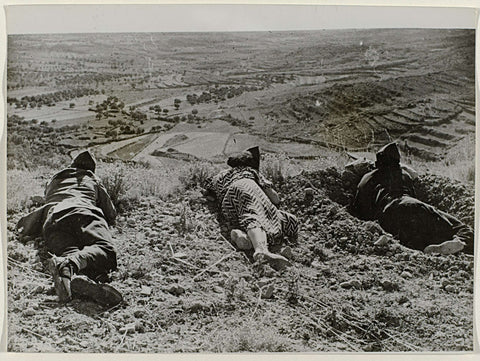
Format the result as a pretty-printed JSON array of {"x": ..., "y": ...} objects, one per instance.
[
  {"x": 71, "y": 193},
  {"x": 378, "y": 188},
  {"x": 387, "y": 195}
]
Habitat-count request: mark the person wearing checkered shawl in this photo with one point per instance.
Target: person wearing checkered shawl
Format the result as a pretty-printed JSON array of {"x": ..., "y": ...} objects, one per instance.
[{"x": 249, "y": 204}]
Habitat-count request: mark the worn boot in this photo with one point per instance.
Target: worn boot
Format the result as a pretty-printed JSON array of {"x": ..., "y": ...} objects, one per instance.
[
  {"x": 101, "y": 293},
  {"x": 62, "y": 271}
]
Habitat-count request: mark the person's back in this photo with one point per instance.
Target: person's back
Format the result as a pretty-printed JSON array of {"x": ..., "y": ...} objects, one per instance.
[
  {"x": 378, "y": 188},
  {"x": 72, "y": 183},
  {"x": 72, "y": 188},
  {"x": 79, "y": 190}
]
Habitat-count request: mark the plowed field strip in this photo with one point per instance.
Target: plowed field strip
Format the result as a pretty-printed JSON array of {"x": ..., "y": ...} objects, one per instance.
[
  {"x": 430, "y": 142},
  {"x": 448, "y": 81},
  {"x": 468, "y": 103},
  {"x": 390, "y": 118},
  {"x": 410, "y": 116},
  {"x": 469, "y": 110},
  {"x": 437, "y": 134},
  {"x": 130, "y": 150}
]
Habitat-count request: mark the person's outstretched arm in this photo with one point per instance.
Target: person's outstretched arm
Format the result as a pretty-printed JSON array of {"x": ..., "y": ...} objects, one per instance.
[
  {"x": 273, "y": 195},
  {"x": 362, "y": 205},
  {"x": 209, "y": 190},
  {"x": 267, "y": 187},
  {"x": 31, "y": 224},
  {"x": 105, "y": 203}
]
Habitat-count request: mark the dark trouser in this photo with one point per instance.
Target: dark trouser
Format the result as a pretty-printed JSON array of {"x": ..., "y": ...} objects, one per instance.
[
  {"x": 83, "y": 239},
  {"x": 417, "y": 224}
]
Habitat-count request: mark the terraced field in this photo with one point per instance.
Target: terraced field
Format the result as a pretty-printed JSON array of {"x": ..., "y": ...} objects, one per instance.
[{"x": 426, "y": 118}]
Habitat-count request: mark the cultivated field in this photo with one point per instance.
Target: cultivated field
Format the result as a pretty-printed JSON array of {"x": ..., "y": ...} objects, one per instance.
[{"x": 163, "y": 111}]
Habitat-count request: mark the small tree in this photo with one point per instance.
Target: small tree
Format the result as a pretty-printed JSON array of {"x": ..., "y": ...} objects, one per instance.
[
  {"x": 113, "y": 133},
  {"x": 176, "y": 103}
]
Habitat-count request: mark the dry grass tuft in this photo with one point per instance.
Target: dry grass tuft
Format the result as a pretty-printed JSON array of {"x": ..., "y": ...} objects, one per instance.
[
  {"x": 22, "y": 184},
  {"x": 128, "y": 183},
  {"x": 250, "y": 336},
  {"x": 195, "y": 175}
]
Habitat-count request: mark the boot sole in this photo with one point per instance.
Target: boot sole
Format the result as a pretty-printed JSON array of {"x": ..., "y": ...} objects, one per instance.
[{"x": 102, "y": 294}]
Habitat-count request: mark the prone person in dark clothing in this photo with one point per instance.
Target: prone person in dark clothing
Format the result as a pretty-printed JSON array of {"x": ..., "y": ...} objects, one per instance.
[
  {"x": 387, "y": 195},
  {"x": 74, "y": 222}
]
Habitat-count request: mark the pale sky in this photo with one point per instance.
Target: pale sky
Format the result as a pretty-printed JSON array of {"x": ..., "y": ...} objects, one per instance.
[{"x": 160, "y": 18}]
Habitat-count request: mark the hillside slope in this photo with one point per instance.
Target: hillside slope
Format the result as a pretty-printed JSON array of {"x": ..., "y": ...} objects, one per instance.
[{"x": 187, "y": 289}]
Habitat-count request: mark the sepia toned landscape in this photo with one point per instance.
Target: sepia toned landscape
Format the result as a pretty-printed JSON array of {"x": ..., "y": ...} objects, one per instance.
[{"x": 162, "y": 112}]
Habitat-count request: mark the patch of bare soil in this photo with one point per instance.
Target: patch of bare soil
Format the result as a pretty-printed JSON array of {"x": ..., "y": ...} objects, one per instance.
[{"x": 186, "y": 289}]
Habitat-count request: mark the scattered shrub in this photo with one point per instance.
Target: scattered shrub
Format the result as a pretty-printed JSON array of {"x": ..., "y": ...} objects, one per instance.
[{"x": 196, "y": 175}]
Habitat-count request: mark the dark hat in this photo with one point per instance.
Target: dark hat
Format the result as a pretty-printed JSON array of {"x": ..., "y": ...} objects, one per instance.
[
  {"x": 255, "y": 152},
  {"x": 388, "y": 155},
  {"x": 247, "y": 158},
  {"x": 84, "y": 161}
]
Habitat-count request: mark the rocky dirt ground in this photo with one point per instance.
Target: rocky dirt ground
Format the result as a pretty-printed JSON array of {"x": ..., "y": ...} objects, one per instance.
[{"x": 186, "y": 288}]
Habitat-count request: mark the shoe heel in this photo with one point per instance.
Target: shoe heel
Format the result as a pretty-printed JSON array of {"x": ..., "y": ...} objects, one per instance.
[{"x": 61, "y": 284}]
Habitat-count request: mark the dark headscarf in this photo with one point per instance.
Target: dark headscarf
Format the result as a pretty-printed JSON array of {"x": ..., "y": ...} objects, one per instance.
[
  {"x": 84, "y": 161},
  {"x": 388, "y": 156},
  {"x": 247, "y": 158}
]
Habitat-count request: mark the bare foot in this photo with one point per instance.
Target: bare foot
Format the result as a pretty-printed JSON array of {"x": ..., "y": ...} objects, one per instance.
[
  {"x": 276, "y": 261},
  {"x": 447, "y": 247}
]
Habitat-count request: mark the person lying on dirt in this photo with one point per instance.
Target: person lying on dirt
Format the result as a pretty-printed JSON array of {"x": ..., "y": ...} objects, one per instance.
[
  {"x": 74, "y": 224},
  {"x": 387, "y": 194},
  {"x": 249, "y": 204}
]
